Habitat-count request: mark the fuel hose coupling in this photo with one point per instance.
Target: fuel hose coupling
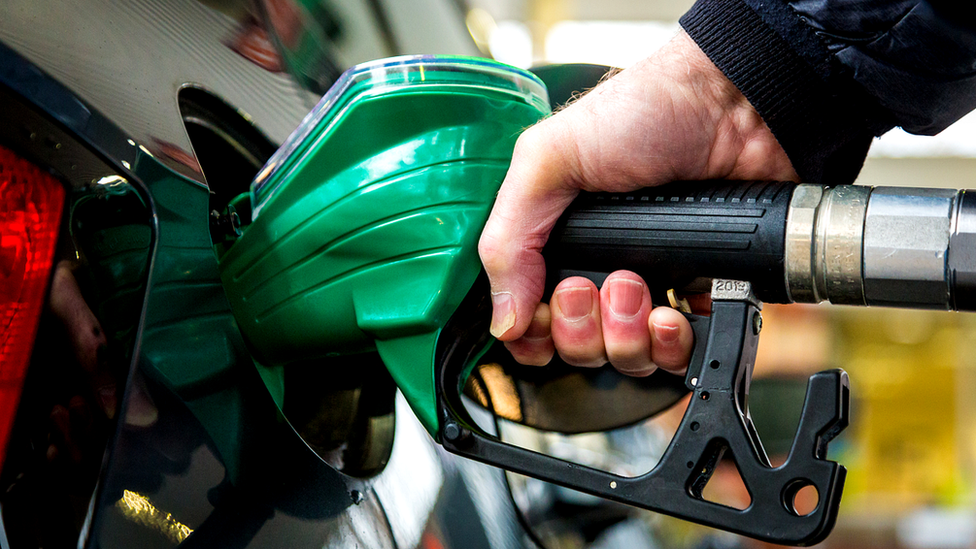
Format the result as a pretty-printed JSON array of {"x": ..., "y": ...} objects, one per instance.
[{"x": 887, "y": 246}]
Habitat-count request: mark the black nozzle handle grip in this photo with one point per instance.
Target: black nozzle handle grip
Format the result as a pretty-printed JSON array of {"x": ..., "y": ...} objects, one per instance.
[{"x": 678, "y": 233}]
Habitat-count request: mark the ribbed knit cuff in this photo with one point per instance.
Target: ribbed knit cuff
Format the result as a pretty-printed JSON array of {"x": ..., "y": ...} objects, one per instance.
[{"x": 822, "y": 122}]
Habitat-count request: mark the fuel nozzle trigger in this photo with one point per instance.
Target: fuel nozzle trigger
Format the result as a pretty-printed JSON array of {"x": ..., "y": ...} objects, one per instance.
[{"x": 716, "y": 421}]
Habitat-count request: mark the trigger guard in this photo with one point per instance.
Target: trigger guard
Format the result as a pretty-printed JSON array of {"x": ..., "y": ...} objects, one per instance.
[{"x": 717, "y": 417}]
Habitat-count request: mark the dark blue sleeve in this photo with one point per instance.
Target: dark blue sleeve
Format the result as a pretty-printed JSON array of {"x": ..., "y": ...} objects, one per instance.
[{"x": 828, "y": 76}]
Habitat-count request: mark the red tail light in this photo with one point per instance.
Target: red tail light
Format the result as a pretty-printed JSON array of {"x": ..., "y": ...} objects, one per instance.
[{"x": 30, "y": 212}]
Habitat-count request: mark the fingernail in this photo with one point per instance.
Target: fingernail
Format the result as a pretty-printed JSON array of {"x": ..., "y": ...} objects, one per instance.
[
  {"x": 574, "y": 303},
  {"x": 625, "y": 297},
  {"x": 502, "y": 313},
  {"x": 665, "y": 334}
]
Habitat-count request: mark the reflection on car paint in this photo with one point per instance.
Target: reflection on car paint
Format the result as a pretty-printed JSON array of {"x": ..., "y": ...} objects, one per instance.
[
  {"x": 139, "y": 509},
  {"x": 128, "y": 59},
  {"x": 199, "y": 454}
]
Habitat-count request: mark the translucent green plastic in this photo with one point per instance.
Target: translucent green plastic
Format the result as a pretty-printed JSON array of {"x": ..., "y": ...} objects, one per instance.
[{"x": 365, "y": 224}]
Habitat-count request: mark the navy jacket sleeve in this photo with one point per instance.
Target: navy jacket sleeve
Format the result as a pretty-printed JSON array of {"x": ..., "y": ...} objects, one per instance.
[{"x": 828, "y": 76}]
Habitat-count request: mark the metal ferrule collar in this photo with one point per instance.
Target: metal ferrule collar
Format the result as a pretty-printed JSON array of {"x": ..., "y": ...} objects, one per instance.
[
  {"x": 886, "y": 246},
  {"x": 824, "y": 232}
]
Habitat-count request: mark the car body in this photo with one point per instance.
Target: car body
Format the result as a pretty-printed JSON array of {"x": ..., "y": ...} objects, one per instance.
[{"x": 152, "y": 114}]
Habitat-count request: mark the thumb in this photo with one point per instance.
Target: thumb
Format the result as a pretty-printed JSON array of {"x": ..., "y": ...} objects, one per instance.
[{"x": 540, "y": 184}]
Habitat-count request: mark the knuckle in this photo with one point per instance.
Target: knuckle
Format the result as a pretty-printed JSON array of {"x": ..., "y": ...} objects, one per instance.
[
  {"x": 530, "y": 352},
  {"x": 492, "y": 251},
  {"x": 582, "y": 359},
  {"x": 632, "y": 358},
  {"x": 531, "y": 138},
  {"x": 635, "y": 369}
]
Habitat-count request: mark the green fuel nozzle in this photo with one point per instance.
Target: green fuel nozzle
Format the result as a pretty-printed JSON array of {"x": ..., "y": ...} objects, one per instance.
[
  {"x": 366, "y": 221},
  {"x": 362, "y": 237}
]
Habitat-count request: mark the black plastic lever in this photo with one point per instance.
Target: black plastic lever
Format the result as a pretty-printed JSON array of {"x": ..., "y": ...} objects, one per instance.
[{"x": 716, "y": 421}]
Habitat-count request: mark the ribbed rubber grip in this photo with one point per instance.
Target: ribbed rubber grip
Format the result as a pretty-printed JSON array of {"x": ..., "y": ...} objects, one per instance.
[{"x": 677, "y": 233}]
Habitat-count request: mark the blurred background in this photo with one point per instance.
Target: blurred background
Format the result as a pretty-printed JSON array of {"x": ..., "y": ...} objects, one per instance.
[{"x": 911, "y": 446}]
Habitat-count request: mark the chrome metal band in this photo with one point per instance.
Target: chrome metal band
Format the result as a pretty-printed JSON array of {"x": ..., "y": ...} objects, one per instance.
[
  {"x": 886, "y": 246},
  {"x": 800, "y": 222},
  {"x": 823, "y": 244},
  {"x": 906, "y": 244},
  {"x": 837, "y": 248}
]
